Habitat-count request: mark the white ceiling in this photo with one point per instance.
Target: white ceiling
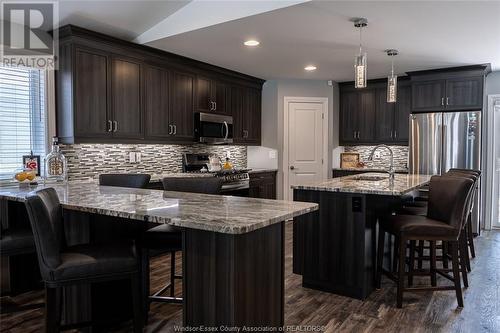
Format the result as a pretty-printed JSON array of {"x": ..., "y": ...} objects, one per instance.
[
  {"x": 125, "y": 19},
  {"x": 428, "y": 34}
]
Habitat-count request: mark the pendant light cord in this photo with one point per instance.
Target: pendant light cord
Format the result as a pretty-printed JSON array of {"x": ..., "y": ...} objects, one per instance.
[{"x": 360, "y": 39}]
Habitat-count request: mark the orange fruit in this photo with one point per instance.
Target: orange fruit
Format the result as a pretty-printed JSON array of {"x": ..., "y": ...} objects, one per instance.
[
  {"x": 31, "y": 176},
  {"x": 21, "y": 176}
]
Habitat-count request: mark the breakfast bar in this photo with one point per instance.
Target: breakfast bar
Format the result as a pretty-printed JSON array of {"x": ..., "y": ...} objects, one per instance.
[
  {"x": 227, "y": 279},
  {"x": 334, "y": 248}
]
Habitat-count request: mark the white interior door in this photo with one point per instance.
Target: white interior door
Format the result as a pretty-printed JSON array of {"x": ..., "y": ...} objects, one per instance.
[{"x": 306, "y": 143}]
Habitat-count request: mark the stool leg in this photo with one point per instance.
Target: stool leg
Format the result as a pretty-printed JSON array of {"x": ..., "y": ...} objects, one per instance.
[
  {"x": 420, "y": 254},
  {"x": 401, "y": 271},
  {"x": 380, "y": 256},
  {"x": 52, "y": 310},
  {"x": 433, "y": 263},
  {"x": 172, "y": 273},
  {"x": 445, "y": 251},
  {"x": 411, "y": 263},
  {"x": 456, "y": 273},
  {"x": 137, "y": 304},
  {"x": 395, "y": 254},
  {"x": 464, "y": 254},
  {"x": 470, "y": 237}
]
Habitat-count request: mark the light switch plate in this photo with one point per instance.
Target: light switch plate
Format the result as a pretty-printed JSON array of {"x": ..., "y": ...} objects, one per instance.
[
  {"x": 272, "y": 154},
  {"x": 131, "y": 157},
  {"x": 138, "y": 157}
]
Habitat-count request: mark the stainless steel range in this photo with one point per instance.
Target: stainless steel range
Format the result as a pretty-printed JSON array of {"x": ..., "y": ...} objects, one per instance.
[{"x": 235, "y": 181}]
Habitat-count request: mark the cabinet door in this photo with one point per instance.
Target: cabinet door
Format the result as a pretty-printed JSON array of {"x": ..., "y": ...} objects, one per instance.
[
  {"x": 428, "y": 95},
  {"x": 181, "y": 114},
  {"x": 252, "y": 116},
  {"x": 402, "y": 114},
  {"x": 366, "y": 116},
  {"x": 238, "y": 109},
  {"x": 126, "y": 98},
  {"x": 203, "y": 94},
  {"x": 156, "y": 102},
  {"x": 91, "y": 100},
  {"x": 221, "y": 96},
  {"x": 464, "y": 93},
  {"x": 384, "y": 119},
  {"x": 349, "y": 109}
]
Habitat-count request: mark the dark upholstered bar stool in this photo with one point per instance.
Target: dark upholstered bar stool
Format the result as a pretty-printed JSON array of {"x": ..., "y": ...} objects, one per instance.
[
  {"x": 447, "y": 206},
  {"x": 165, "y": 238},
  {"x": 62, "y": 265},
  {"x": 16, "y": 241}
]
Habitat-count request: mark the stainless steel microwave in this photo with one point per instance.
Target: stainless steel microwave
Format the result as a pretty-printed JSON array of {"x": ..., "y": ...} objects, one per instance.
[{"x": 213, "y": 128}]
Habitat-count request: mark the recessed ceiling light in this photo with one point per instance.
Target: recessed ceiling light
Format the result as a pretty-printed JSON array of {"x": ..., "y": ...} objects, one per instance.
[
  {"x": 251, "y": 42},
  {"x": 310, "y": 68}
]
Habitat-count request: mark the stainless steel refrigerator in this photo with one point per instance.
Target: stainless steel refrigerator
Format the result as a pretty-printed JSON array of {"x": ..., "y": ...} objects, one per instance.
[{"x": 443, "y": 140}]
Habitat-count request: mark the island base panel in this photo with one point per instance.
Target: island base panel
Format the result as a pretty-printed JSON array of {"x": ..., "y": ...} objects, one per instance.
[{"x": 234, "y": 280}]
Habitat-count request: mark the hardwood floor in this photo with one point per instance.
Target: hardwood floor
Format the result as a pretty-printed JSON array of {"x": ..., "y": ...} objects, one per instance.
[{"x": 421, "y": 312}]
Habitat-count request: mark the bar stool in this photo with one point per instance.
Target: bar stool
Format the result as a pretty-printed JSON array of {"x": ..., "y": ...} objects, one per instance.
[
  {"x": 62, "y": 265},
  {"x": 165, "y": 238},
  {"x": 447, "y": 206}
]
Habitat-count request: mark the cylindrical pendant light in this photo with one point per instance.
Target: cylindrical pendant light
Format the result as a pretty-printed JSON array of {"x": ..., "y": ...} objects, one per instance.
[
  {"x": 392, "y": 80},
  {"x": 360, "y": 59}
]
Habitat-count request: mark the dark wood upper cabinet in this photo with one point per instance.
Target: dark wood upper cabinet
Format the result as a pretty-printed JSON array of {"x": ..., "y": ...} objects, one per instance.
[
  {"x": 402, "y": 113},
  {"x": 384, "y": 127},
  {"x": 464, "y": 93},
  {"x": 91, "y": 72},
  {"x": 182, "y": 115},
  {"x": 349, "y": 109},
  {"x": 429, "y": 95},
  {"x": 126, "y": 92},
  {"x": 238, "y": 109},
  {"x": 111, "y": 90},
  {"x": 366, "y": 116},
  {"x": 157, "y": 102}
]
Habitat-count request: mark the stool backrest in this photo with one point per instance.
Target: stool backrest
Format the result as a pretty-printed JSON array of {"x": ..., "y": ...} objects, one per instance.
[
  {"x": 207, "y": 185},
  {"x": 448, "y": 199},
  {"x": 45, "y": 215},
  {"x": 469, "y": 174},
  {"x": 135, "y": 180}
]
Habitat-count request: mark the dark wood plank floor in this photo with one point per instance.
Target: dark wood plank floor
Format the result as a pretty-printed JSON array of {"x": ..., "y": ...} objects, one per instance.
[{"x": 422, "y": 312}]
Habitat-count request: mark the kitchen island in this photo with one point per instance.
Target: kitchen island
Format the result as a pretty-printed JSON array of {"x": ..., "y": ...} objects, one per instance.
[
  {"x": 233, "y": 247},
  {"x": 334, "y": 248}
]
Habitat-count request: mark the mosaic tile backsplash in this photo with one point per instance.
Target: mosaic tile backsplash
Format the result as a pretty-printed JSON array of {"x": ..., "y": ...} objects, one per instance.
[
  {"x": 400, "y": 156},
  {"x": 89, "y": 160}
]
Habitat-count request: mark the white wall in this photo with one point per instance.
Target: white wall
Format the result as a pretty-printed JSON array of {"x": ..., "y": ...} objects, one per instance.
[
  {"x": 273, "y": 95},
  {"x": 493, "y": 83}
]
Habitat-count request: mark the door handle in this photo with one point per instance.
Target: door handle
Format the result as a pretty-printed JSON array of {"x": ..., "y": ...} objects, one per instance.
[
  {"x": 292, "y": 167},
  {"x": 110, "y": 125},
  {"x": 116, "y": 126}
]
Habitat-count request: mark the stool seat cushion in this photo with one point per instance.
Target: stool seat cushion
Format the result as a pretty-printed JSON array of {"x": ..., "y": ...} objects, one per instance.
[
  {"x": 16, "y": 241},
  {"x": 417, "y": 226},
  {"x": 413, "y": 210},
  {"x": 164, "y": 237},
  {"x": 81, "y": 261}
]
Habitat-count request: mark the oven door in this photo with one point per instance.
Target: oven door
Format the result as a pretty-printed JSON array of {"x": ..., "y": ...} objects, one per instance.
[{"x": 213, "y": 129}]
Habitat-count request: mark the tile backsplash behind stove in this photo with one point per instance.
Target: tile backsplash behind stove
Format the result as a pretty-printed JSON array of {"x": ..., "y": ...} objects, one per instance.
[
  {"x": 400, "y": 156},
  {"x": 89, "y": 160}
]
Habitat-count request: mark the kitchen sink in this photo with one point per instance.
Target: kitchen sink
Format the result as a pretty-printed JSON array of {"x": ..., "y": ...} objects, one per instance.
[{"x": 372, "y": 178}]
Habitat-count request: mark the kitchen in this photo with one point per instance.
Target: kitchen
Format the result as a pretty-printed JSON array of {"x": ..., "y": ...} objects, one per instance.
[{"x": 274, "y": 186}]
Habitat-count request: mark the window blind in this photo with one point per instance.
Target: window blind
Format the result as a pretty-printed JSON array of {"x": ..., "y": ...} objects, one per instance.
[{"x": 23, "y": 121}]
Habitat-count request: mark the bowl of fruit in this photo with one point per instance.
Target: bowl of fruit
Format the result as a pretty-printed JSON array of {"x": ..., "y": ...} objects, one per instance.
[{"x": 25, "y": 176}]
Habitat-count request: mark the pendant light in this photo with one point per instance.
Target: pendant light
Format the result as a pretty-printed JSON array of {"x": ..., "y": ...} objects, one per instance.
[
  {"x": 360, "y": 59},
  {"x": 392, "y": 80}
]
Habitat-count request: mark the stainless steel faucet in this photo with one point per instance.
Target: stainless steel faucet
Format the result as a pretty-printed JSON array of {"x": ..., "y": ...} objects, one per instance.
[{"x": 391, "y": 167}]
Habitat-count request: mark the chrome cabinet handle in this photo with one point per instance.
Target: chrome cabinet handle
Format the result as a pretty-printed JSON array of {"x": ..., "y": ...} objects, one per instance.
[
  {"x": 447, "y": 101},
  {"x": 175, "y": 129},
  {"x": 392, "y": 137},
  {"x": 110, "y": 125},
  {"x": 354, "y": 134},
  {"x": 395, "y": 134},
  {"x": 170, "y": 129},
  {"x": 357, "y": 135},
  {"x": 227, "y": 130},
  {"x": 215, "y": 103},
  {"x": 442, "y": 101},
  {"x": 116, "y": 126}
]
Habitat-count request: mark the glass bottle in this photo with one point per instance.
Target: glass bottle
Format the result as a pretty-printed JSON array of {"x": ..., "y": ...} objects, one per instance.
[{"x": 55, "y": 164}]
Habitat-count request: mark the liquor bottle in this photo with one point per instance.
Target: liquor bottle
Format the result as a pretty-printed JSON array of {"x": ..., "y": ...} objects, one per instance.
[{"x": 55, "y": 164}]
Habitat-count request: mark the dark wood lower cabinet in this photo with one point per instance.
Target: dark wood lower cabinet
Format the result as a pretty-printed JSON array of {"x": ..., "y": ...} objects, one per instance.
[
  {"x": 228, "y": 280},
  {"x": 263, "y": 185}
]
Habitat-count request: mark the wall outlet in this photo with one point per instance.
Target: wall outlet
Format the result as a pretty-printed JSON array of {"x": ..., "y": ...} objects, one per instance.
[
  {"x": 228, "y": 154},
  {"x": 138, "y": 157},
  {"x": 272, "y": 154},
  {"x": 377, "y": 154}
]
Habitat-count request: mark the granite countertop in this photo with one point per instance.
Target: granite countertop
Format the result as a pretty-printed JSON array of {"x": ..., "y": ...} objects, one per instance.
[
  {"x": 399, "y": 170},
  {"x": 403, "y": 183},
  {"x": 218, "y": 213},
  {"x": 158, "y": 177}
]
